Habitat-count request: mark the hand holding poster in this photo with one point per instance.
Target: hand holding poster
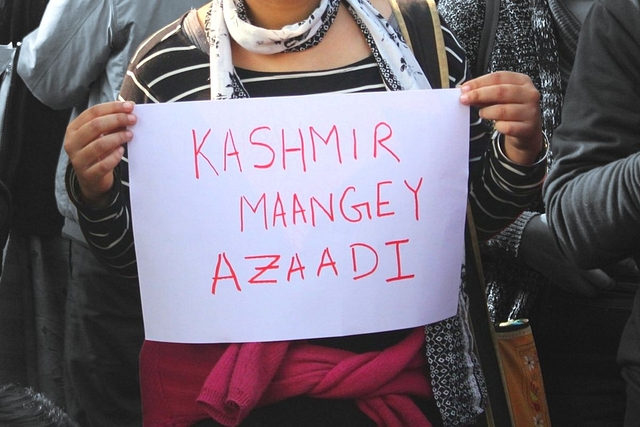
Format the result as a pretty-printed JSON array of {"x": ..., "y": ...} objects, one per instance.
[{"x": 299, "y": 217}]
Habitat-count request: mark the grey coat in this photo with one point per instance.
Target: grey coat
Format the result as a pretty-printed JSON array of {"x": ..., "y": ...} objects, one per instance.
[{"x": 78, "y": 57}]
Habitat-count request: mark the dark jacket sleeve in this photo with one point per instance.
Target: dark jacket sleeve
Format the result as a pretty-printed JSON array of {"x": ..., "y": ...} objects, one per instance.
[{"x": 593, "y": 190}]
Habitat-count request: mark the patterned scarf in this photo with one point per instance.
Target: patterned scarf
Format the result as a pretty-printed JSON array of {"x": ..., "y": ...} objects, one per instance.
[{"x": 228, "y": 19}]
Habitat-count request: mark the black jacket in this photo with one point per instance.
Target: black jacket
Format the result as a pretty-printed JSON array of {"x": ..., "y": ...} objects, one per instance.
[{"x": 32, "y": 135}]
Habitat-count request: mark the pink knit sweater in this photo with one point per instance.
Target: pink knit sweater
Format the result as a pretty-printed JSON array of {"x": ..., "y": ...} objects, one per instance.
[{"x": 185, "y": 383}]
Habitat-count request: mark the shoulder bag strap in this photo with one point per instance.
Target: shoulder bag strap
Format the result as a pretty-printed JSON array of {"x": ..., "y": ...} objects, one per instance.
[
  {"x": 488, "y": 36},
  {"x": 419, "y": 20}
]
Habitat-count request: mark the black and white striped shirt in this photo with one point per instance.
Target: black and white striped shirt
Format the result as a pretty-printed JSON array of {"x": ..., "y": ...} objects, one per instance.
[{"x": 172, "y": 66}]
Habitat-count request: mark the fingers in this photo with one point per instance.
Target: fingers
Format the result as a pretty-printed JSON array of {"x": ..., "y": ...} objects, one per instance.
[
  {"x": 516, "y": 120},
  {"x": 101, "y": 110},
  {"x": 599, "y": 279},
  {"x": 505, "y": 89},
  {"x": 95, "y": 142},
  {"x": 498, "y": 78},
  {"x": 512, "y": 103},
  {"x": 99, "y": 130},
  {"x": 96, "y": 137},
  {"x": 102, "y": 156}
]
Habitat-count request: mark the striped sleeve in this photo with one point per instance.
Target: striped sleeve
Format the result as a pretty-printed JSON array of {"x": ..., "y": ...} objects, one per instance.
[
  {"x": 167, "y": 67},
  {"x": 108, "y": 230}
]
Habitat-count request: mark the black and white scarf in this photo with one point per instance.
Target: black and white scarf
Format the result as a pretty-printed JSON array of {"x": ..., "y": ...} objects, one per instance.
[{"x": 228, "y": 19}]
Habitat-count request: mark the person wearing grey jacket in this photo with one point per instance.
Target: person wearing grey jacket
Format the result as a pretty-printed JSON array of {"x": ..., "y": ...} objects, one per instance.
[
  {"x": 34, "y": 259},
  {"x": 593, "y": 191},
  {"x": 77, "y": 58}
]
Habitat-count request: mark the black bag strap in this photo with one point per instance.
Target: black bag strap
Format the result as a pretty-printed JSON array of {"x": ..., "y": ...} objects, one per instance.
[
  {"x": 9, "y": 149},
  {"x": 488, "y": 36},
  {"x": 418, "y": 20}
]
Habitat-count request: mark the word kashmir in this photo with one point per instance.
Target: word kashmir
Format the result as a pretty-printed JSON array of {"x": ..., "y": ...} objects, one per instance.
[{"x": 296, "y": 154}]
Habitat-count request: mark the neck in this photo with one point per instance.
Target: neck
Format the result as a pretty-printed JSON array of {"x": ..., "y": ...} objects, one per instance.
[{"x": 275, "y": 14}]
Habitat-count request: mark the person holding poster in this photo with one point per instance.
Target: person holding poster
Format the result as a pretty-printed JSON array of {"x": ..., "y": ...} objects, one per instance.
[{"x": 232, "y": 49}]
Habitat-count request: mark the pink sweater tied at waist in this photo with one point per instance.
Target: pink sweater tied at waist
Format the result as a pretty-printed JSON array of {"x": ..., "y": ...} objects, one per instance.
[
  {"x": 381, "y": 383},
  {"x": 247, "y": 376}
]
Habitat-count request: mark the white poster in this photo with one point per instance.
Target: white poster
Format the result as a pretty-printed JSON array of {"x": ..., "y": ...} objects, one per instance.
[{"x": 299, "y": 217}]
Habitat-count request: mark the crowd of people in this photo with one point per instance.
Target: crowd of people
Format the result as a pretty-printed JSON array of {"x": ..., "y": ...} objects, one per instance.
[{"x": 553, "y": 188}]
